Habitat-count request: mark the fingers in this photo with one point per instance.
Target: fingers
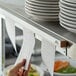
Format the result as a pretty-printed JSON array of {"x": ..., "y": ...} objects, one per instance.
[
  {"x": 29, "y": 67},
  {"x": 19, "y": 65},
  {"x": 18, "y": 70},
  {"x": 26, "y": 71},
  {"x": 22, "y": 72}
]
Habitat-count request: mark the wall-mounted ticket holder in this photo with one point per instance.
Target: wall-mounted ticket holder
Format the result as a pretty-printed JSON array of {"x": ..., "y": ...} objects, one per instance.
[
  {"x": 2, "y": 44},
  {"x": 10, "y": 26},
  {"x": 28, "y": 41},
  {"x": 27, "y": 47},
  {"x": 48, "y": 54}
]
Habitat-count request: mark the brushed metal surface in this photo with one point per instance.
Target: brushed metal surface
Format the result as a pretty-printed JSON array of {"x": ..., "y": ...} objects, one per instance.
[{"x": 51, "y": 28}]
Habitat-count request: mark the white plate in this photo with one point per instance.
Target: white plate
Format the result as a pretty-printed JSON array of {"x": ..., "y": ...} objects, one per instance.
[
  {"x": 42, "y": 18},
  {"x": 45, "y": 19},
  {"x": 41, "y": 5},
  {"x": 39, "y": 70},
  {"x": 68, "y": 17},
  {"x": 41, "y": 13},
  {"x": 67, "y": 3},
  {"x": 71, "y": 1},
  {"x": 67, "y": 11},
  {"x": 68, "y": 20},
  {"x": 66, "y": 7},
  {"x": 72, "y": 62},
  {"x": 69, "y": 29},
  {"x": 46, "y": 0},
  {"x": 69, "y": 14},
  {"x": 43, "y": 2},
  {"x": 43, "y": 8},
  {"x": 69, "y": 24}
]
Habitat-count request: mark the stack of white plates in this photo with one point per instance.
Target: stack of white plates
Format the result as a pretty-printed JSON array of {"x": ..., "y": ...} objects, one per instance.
[
  {"x": 46, "y": 10},
  {"x": 67, "y": 15}
]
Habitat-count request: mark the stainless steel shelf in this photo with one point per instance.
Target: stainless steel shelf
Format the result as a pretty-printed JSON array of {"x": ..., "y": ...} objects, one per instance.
[{"x": 51, "y": 28}]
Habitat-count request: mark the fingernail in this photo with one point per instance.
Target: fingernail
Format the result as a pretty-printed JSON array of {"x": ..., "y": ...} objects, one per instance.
[{"x": 24, "y": 61}]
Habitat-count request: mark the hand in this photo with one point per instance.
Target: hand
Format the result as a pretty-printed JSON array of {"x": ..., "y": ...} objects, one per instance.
[{"x": 18, "y": 70}]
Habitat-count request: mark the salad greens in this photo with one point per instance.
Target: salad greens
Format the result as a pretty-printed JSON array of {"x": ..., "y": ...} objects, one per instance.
[{"x": 68, "y": 69}]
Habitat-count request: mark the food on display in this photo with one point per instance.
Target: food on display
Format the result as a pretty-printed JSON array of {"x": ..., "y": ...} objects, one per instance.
[
  {"x": 32, "y": 71},
  {"x": 63, "y": 67}
]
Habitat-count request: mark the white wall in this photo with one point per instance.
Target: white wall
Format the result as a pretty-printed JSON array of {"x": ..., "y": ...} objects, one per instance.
[{"x": 16, "y": 2}]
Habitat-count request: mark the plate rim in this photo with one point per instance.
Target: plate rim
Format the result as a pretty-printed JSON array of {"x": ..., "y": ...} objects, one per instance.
[
  {"x": 32, "y": 6},
  {"x": 41, "y": 14},
  {"x": 65, "y": 7},
  {"x": 42, "y": 5},
  {"x": 71, "y": 1},
  {"x": 39, "y": 70},
  {"x": 45, "y": 2},
  {"x": 69, "y": 27},
  {"x": 60, "y": 74},
  {"x": 66, "y": 2},
  {"x": 68, "y": 19},
  {"x": 41, "y": 10}
]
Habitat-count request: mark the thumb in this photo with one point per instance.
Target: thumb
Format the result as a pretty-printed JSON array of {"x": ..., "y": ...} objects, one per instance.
[{"x": 19, "y": 65}]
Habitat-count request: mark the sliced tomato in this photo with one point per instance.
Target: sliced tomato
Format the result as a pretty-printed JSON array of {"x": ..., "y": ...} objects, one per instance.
[{"x": 60, "y": 64}]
